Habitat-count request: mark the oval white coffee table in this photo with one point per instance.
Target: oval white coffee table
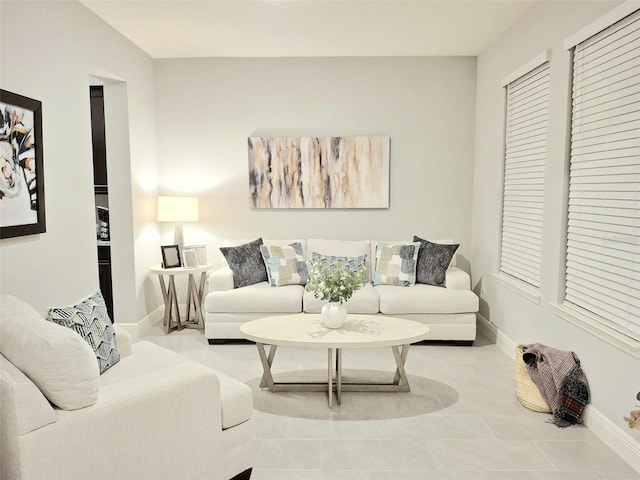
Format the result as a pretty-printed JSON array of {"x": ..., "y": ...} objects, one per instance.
[{"x": 360, "y": 331}]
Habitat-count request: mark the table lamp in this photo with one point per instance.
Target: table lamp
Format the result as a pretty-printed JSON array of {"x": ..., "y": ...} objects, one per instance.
[{"x": 178, "y": 210}]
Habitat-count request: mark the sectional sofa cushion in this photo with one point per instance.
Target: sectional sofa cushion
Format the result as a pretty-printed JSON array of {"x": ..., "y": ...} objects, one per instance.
[
  {"x": 260, "y": 297},
  {"x": 395, "y": 264},
  {"x": 285, "y": 264},
  {"x": 89, "y": 319},
  {"x": 425, "y": 298},
  {"x": 246, "y": 263},
  {"x": 433, "y": 261},
  {"x": 60, "y": 363}
]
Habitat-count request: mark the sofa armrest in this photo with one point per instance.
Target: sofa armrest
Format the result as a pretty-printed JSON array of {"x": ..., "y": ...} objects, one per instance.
[
  {"x": 156, "y": 425},
  {"x": 124, "y": 340},
  {"x": 457, "y": 279},
  {"x": 24, "y": 407},
  {"x": 221, "y": 279}
]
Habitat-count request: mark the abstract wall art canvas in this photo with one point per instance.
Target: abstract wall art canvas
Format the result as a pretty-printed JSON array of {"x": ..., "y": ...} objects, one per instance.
[
  {"x": 319, "y": 172},
  {"x": 21, "y": 172}
]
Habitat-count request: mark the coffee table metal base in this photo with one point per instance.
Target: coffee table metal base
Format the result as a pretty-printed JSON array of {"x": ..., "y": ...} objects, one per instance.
[{"x": 399, "y": 383}]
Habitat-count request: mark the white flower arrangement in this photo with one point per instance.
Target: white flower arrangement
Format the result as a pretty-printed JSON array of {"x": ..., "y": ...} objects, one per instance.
[{"x": 334, "y": 284}]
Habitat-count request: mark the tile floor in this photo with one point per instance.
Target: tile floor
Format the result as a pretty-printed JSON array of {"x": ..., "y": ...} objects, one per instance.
[{"x": 461, "y": 421}]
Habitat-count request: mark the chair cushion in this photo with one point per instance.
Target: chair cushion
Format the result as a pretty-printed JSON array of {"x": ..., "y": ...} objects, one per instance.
[
  {"x": 56, "y": 359},
  {"x": 425, "y": 299},
  {"x": 89, "y": 319},
  {"x": 364, "y": 301},
  {"x": 235, "y": 397},
  {"x": 145, "y": 357},
  {"x": 256, "y": 298},
  {"x": 246, "y": 263}
]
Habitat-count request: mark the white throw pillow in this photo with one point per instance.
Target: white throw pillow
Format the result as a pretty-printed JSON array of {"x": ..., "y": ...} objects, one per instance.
[{"x": 55, "y": 358}]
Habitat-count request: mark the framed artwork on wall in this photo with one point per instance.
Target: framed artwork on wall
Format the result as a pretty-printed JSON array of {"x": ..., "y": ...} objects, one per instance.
[
  {"x": 22, "y": 209},
  {"x": 319, "y": 172}
]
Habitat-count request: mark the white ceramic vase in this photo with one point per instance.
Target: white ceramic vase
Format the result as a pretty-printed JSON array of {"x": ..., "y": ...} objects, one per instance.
[{"x": 334, "y": 314}]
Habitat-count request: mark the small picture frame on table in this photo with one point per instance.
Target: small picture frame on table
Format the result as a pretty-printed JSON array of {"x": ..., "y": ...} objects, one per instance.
[
  {"x": 201, "y": 253},
  {"x": 190, "y": 258},
  {"x": 170, "y": 256}
]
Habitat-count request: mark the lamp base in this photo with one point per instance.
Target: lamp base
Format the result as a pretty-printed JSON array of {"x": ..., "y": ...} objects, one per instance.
[{"x": 178, "y": 239}]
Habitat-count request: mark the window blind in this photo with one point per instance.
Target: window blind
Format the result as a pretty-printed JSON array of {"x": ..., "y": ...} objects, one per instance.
[
  {"x": 603, "y": 232},
  {"x": 523, "y": 190}
]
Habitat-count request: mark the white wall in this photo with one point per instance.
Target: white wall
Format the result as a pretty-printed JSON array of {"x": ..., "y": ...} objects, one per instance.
[
  {"x": 49, "y": 50},
  {"x": 207, "y": 108},
  {"x": 613, "y": 375}
]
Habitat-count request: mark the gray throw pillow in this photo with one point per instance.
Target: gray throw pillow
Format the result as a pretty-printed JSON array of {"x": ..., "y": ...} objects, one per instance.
[
  {"x": 246, "y": 263},
  {"x": 89, "y": 318},
  {"x": 433, "y": 261}
]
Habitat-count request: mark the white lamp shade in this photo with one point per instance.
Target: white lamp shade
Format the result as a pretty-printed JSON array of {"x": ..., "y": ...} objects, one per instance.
[{"x": 178, "y": 209}]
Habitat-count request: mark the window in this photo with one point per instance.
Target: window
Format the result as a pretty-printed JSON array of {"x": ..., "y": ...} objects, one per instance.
[
  {"x": 603, "y": 228},
  {"x": 523, "y": 193}
]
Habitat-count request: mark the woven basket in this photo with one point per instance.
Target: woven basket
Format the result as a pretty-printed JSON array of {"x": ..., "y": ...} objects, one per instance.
[{"x": 527, "y": 391}]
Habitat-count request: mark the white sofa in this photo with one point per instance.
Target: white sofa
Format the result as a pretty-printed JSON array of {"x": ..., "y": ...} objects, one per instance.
[
  {"x": 450, "y": 312},
  {"x": 153, "y": 415}
]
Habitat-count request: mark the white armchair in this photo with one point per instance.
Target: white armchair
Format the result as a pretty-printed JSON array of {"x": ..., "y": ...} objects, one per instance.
[{"x": 155, "y": 413}]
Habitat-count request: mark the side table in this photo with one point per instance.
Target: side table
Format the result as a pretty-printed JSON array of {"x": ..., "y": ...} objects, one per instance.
[{"x": 195, "y": 293}]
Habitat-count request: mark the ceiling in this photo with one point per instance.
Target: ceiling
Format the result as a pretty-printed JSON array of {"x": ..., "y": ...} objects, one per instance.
[{"x": 310, "y": 28}]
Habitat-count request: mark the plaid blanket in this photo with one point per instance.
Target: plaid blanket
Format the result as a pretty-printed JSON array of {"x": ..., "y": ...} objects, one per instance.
[{"x": 558, "y": 376}]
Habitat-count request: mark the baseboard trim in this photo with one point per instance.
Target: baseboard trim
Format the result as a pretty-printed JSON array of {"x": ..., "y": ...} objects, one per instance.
[
  {"x": 130, "y": 327},
  {"x": 154, "y": 318},
  {"x": 602, "y": 427},
  {"x": 493, "y": 333},
  {"x": 487, "y": 328},
  {"x": 613, "y": 436},
  {"x": 140, "y": 328}
]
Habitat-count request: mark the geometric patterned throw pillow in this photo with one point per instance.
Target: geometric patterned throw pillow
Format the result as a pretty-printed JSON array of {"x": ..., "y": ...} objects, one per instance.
[
  {"x": 350, "y": 264},
  {"x": 285, "y": 264},
  {"x": 90, "y": 320},
  {"x": 395, "y": 264}
]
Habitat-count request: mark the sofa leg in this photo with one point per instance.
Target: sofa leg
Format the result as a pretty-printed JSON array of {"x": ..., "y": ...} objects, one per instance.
[{"x": 246, "y": 475}]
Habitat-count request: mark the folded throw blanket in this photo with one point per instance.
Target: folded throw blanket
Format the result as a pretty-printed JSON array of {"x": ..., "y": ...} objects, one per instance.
[{"x": 558, "y": 376}]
